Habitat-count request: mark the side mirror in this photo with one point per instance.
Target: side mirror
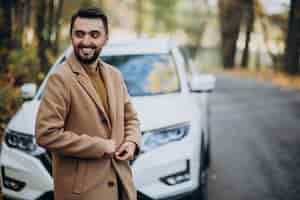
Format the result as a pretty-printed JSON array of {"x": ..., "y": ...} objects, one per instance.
[
  {"x": 28, "y": 91},
  {"x": 202, "y": 83}
]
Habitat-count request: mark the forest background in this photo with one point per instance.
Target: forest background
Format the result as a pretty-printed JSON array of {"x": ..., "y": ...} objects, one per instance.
[{"x": 256, "y": 38}]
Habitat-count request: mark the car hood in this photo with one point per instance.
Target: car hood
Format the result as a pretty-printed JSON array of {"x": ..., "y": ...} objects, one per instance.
[
  {"x": 24, "y": 120},
  {"x": 153, "y": 112},
  {"x": 164, "y": 110}
]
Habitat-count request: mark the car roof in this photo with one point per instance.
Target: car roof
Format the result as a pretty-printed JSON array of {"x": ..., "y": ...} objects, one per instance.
[{"x": 136, "y": 46}]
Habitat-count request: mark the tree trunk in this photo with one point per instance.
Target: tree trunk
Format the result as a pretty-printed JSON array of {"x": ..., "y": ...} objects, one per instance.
[
  {"x": 230, "y": 22},
  {"x": 27, "y": 15},
  {"x": 40, "y": 30},
  {"x": 58, "y": 26},
  {"x": 139, "y": 18},
  {"x": 249, "y": 9},
  {"x": 50, "y": 23},
  {"x": 293, "y": 39},
  {"x": 5, "y": 33},
  {"x": 19, "y": 23}
]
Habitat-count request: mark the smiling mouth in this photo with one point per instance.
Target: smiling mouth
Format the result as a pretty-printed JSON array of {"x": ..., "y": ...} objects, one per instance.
[{"x": 87, "y": 50}]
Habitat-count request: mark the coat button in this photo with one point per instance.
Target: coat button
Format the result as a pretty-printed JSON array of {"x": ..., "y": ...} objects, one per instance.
[{"x": 110, "y": 183}]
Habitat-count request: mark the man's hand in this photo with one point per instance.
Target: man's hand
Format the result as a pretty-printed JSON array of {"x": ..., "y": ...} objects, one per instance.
[
  {"x": 110, "y": 149},
  {"x": 126, "y": 151}
]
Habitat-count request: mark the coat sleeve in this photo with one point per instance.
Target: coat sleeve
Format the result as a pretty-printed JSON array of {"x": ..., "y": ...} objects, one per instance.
[
  {"x": 50, "y": 123},
  {"x": 131, "y": 121}
]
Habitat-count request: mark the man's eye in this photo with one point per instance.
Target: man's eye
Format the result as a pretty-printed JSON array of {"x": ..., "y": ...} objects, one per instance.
[
  {"x": 95, "y": 34},
  {"x": 79, "y": 34}
]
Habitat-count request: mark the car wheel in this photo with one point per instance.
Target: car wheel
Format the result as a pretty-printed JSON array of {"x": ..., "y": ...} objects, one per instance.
[
  {"x": 201, "y": 193},
  {"x": 208, "y": 155}
]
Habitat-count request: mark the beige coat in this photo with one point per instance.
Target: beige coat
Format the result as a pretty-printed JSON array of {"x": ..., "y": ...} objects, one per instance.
[{"x": 72, "y": 124}]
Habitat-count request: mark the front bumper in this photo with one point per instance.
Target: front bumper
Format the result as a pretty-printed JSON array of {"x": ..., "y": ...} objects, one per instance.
[
  {"x": 149, "y": 169},
  {"x": 171, "y": 159},
  {"x": 17, "y": 167}
]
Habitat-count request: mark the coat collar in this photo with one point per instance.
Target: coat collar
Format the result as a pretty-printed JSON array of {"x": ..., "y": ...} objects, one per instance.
[
  {"x": 75, "y": 65},
  {"x": 85, "y": 82}
]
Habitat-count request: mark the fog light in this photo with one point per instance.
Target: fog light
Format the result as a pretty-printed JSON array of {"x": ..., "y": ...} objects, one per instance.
[
  {"x": 11, "y": 183},
  {"x": 178, "y": 177}
]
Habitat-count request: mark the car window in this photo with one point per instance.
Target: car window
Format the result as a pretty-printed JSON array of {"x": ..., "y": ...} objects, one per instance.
[
  {"x": 147, "y": 75},
  {"x": 144, "y": 75}
]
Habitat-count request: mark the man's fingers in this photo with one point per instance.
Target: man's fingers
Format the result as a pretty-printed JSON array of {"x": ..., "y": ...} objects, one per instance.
[
  {"x": 125, "y": 152},
  {"x": 125, "y": 155},
  {"x": 122, "y": 148}
]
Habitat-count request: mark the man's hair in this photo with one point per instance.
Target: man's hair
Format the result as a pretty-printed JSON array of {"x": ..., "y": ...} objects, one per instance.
[{"x": 90, "y": 13}]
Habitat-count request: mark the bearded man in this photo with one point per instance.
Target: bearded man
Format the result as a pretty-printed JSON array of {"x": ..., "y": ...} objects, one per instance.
[{"x": 87, "y": 121}]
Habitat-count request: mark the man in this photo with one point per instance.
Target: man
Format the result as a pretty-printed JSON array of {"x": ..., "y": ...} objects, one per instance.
[{"x": 87, "y": 121}]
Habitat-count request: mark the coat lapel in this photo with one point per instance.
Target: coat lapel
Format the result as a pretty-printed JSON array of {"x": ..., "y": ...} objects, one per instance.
[
  {"x": 85, "y": 82},
  {"x": 110, "y": 91}
]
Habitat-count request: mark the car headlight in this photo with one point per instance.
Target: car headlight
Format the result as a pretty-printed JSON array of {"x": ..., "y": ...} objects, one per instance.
[
  {"x": 20, "y": 141},
  {"x": 156, "y": 138}
]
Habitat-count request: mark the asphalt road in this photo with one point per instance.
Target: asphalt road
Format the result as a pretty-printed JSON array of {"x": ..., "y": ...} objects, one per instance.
[{"x": 255, "y": 141}]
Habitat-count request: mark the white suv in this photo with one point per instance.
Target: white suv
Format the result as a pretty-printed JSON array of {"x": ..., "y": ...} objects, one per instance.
[{"x": 174, "y": 122}]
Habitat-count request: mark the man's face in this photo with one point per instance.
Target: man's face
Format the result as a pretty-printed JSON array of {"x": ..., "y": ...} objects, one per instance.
[{"x": 88, "y": 38}]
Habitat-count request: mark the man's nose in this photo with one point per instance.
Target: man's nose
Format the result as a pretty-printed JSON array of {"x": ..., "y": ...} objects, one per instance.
[{"x": 86, "y": 40}]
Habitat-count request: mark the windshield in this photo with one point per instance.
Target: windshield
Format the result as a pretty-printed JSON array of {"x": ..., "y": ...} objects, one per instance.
[{"x": 146, "y": 75}]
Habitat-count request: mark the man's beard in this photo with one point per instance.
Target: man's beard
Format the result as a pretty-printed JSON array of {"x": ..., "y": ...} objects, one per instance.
[{"x": 87, "y": 60}]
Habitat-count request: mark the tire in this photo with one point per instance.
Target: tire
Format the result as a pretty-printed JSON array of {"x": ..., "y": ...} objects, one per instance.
[
  {"x": 203, "y": 190},
  {"x": 201, "y": 193},
  {"x": 208, "y": 155}
]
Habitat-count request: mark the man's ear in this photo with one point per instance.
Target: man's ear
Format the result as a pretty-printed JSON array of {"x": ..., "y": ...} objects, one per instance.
[{"x": 106, "y": 39}]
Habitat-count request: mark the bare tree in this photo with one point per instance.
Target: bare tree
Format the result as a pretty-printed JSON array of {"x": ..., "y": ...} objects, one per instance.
[
  {"x": 50, "y": 22},
  {"x": 139, "y": 17},
  {"x": 293, "y": 39},
  {"x": 230, "y": 22},
  {"x": 249, "y": 19},
  {"x": 18, "y": 23},
  {"x": 58, "y": 26},
  {"x": 5, "y": 32},
  {"x": 41, "y": 34}
]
